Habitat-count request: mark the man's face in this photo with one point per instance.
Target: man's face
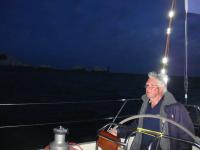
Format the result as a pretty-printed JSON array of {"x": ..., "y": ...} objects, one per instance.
[{"x": 152, "y": 89}]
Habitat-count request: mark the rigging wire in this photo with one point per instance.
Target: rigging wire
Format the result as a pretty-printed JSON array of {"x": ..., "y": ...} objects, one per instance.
[
  {"x": 62, "y": 122},
  {"x": 69, "y": 102},
  {"x": 186, "y": 59},
  {"x": 167, "y": 46}
]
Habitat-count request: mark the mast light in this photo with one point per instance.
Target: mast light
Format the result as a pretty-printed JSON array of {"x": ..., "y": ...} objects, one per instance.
[
  {"x": 165, "y": 60},
  {"x": 171, "y": 14},
  {"x": 166, "y": 79},
  {"x": 168, "y": 30},
  {"x": 163, "y": 71}
]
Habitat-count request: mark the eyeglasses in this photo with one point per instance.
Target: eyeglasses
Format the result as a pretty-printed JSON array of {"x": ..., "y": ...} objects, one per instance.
[{"x": 150, "y": 86}]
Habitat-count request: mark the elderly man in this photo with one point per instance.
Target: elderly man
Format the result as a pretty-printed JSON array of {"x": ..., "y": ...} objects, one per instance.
[{"x": 158, "y": 101}]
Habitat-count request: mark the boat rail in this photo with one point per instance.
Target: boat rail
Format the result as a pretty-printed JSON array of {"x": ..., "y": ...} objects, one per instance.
[
  {"x": 194, "y": 111},
  {"x": 46, "y": 125},
  {"x": 62, "y": 103}
]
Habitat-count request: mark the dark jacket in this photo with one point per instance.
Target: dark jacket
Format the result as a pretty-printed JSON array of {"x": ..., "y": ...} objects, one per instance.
[
  {"x": 178, "y": 113},
  {"x": 171, "y": 109}
]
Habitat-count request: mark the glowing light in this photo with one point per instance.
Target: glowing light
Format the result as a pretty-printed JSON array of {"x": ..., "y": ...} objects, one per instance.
[
  {"x": 171, "y": 14},
  {"x": 164, "y": 60},
  {"x": 168, "y": 30},
  {"x": 166, "y": 79},
  {"x": 163, "y": 71},
  {"x": 186, "y": 96}
]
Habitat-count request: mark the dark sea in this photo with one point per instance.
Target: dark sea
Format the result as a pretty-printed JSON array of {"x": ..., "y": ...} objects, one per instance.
[{"x": 36, "y": 100}]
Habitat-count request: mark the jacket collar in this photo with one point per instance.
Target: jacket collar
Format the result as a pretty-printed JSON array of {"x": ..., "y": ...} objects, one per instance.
[{"x": 168, "y": 98}]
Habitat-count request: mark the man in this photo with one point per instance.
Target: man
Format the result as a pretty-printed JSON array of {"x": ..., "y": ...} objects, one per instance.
[{"x": 158, "y": 101}]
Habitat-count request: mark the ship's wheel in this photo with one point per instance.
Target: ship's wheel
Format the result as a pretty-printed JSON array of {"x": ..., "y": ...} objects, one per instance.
[{"x": 107, "y": 141}]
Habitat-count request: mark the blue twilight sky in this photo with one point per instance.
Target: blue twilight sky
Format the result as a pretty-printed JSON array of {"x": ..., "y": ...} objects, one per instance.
[{"x": 124, "y": 35}]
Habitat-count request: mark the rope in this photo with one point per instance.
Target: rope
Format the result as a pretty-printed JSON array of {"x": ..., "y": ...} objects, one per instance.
[{"x": 150, "y": 132}]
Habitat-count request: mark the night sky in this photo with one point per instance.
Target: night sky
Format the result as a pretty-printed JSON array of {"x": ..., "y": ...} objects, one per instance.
[{"x": 122, "y": 35}]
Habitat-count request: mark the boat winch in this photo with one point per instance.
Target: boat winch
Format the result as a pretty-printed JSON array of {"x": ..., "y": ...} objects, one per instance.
[{"x": 59, "y": 142}]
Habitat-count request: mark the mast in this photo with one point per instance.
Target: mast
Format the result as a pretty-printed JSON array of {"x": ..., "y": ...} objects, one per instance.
[
  {"x": 191, "y": 6},
  {"x": 186, "y": 53}
]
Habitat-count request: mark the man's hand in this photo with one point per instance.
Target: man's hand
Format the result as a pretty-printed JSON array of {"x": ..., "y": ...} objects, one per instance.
[{"x": 113, "y": 131}]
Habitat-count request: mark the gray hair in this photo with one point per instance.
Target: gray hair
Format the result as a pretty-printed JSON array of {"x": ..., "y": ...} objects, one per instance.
[{"x": 160, "y": 78}]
